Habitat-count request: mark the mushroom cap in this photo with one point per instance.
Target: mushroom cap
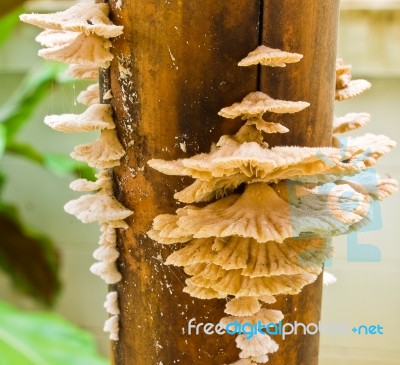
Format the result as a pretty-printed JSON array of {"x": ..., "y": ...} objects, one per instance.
[
  {"x": 89, "y": 96},
  {"x": 87, "y": 18},
  {"x": 265, "y": 316},
  {"x": 254, "y": 160},
  {"x": 106, "y": 253},
  {"x": 105, "y": 152},
  {"x": 233, "y": 283},
  {"x": 55, "y": 38},
  {"x": 268, "y": 299},
  {"x": 369, "y": 183},
  {"x": 108, "y": 235},
  {"x": 262, "y": 214},
  {"x": 350, "y": 121},
  {"x": 112, "y": 326},
  {"x": 196, "y": 252},
  {"x": 202, "y": 293},
  {"x": 243, "y": 306},
  {"x": 293, "y": 256},
  {"x": 103, "y": 182},
  {"x": 165, "y": 230},
  {"x": 343, "y": 74},
  {"x": 267, "y": 56},
  {"x": 255, "y": 104},
  {"x": 96, "y": 116},
  {"x": 248, "y": 164},
  {"x": 352, "y": 89},
  {"x": 257, "y": 345},
  {"x": 267, "y": 127},
  {"x": 107, "y": 271},
  {"x": 89, "y": 50},
  {"x": 367, "y": 148},
  {"x": 111, "y": 303},
  {"x": 387, "y": 187},
  {"x": 83, "y": 72},
  {"x": 101, "y": 207}
]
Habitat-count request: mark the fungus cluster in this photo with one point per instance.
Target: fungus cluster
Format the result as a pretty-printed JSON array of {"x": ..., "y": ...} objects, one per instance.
[
  {"x": 80, "y": 36},
  {"x": 266, "y": 216}
]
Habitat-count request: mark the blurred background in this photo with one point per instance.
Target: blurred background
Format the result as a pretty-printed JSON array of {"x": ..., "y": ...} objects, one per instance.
[{"x": 35, "y": 176}]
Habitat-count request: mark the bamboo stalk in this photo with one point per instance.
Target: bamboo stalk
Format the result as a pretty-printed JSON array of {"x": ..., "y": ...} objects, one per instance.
[{"x": 174, "y": 69}]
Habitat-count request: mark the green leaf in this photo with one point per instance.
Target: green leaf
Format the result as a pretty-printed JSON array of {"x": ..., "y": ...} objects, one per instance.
[
  {"x": 16, "y": 112},
  {"x": 8, "y": 23},
  {"x": 26, "y": 151},
  {"x": 38, "y": 338},
  {"x": 29, "y": 257},
  {"x": 56, "y": 163},
  {"x": 63, "y": 165}
]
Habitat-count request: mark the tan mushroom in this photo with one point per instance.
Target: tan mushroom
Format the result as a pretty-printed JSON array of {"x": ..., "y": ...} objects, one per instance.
[
  {"x": 293, "y": 256},
  {"x": 89, "y": 50},
  {"x": 202, "y": 293},
  {"x": 89, "y": 96},
  {"x": 233, "y": 283},
  {"x": 103, "y": 182},
  {"x": 111, "y": 303},
  {"x": 367, "y": 148},
  {"x": 260, "y": 213},
  {"x": 106, "y": 253},
  {"x": 83, "y": 72},
  {"x": 105, "y": 152},
  {"x": 107, "y": 271},
  {"x": 101, "y": 207},
  {"x": 267, "y": 127},
  {"x": 108, "y": 235},
  {"x": 96, "y": 116},
  {"x": 197, "y": 251},
  {"x": 255, "y": 104},
  {"x": 243, "y": 306},
  {"x": 88, "y": 18},
  {"x": 112, "y": 327},
  {"x": 254, "y": 160},
  {"x": 267, "y": 56},
  {"x": 265, "y": 316},
  {"x": 350, "y": 121},
  {"x": 347, "y": 88},
  {"x": 257, "y": 345},
  {"x": 387, "y": 187},
  {"x": 56, "y": 38}
]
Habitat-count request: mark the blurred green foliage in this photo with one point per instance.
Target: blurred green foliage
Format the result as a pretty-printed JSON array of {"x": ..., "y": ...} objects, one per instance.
[
  {"x": 29, "y": 257},
  {"x": 38, "y": 338}
]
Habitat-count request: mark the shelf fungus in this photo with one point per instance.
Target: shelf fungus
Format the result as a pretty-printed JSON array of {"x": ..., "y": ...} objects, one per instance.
[
  {"x": 82, "y": 72},
  {"x": 347, "y": 88},
  {"x": 80, "y": 36},
  {"x": 257, "y": 103},
  {"x": 96, "y": 117},
  {"x": 112, "y": 308},
  {"x": 104, "y": 153},
  {"x": 267, "y": 228},
  {"x": 267, "y": 56}
]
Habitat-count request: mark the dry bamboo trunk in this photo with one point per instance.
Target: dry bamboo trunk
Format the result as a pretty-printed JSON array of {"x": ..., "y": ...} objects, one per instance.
[{"x": 174, "y": 69}]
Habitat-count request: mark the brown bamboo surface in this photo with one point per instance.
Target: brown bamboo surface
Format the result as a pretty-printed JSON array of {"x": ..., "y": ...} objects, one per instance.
[{"x": 175, "y": 67}]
